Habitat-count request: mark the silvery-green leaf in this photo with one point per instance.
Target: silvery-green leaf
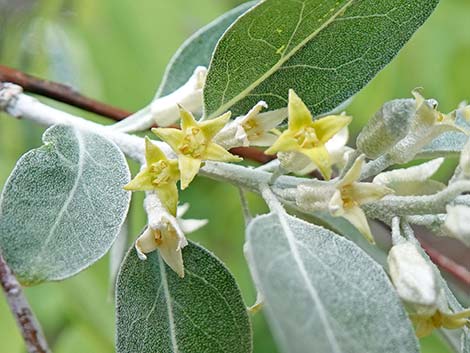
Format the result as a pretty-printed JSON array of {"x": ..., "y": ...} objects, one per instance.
[
  {"x": 197, "y": 50},
  {"x": 322, "y": 292},
  {"x": 157, "y": 311},
  {"x": 466, "y": 340},
  {"x": 325, "y": 50},
  {"x": 63, "y": 205},
  {"x": 117, "y": 253}
]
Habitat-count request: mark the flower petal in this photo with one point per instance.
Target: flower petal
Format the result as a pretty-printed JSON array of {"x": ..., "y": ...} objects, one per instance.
[
  {"x": 338, "y": 141},
  {"x": 284, "y": 143},
  {"x": 171, "y": 136},
  {"x": 146, "y": 243},
  {"x": 320, "y": 156},
  {"x": 215, "y": 152},
  {"x": 266, "y": 139},
  {"x": 188, "y": 169},
  {"x": 269, "y": 120},
  {"x": 191, "y": 225},
  {"x": 170, "y": 250},
  {"x": 168, "y": 194},
  {"x": 336, "y": 205},
  {"x": 211, "y": 127},
  {"x": 368, "y": 192},
  {"x": 354, "y": 173},
  {"x": 299, "y": 115},
  {"x": 327, "y": 127},
  {"x": 358, "y": 219},
  {"x": 141, "y": 182},
  {"x": 187, "y": 118},
  {"x": 153, "y": 154}
]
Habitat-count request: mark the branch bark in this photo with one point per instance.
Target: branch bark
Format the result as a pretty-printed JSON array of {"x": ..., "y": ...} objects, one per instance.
[
  {"x": 68, "y": 95},
  {"x": 29, "y": 326},
  {"x": 61, "y": 93}
]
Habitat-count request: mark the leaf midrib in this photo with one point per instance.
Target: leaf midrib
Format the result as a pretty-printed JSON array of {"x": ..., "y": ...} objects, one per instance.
[
  {"x": 68, "y": 200},
  {"x": 281, "y": 61},
  {"x": 291, "y": 241}
]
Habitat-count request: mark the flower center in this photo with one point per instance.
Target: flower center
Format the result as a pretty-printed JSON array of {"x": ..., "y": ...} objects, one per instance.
[
  {"x": 307, "y": 137},
  {"x": 347, "y": 196},
  {"x": 161, "y": 172},
  {"x": 194, "y": 143}
]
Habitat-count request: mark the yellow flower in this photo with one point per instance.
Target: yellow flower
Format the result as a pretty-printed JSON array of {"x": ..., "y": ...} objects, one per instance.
[
  {"x": 425, "y": 324},
  {"x": 431, "y": 121},
  {"x": 159, "y": 174},
  {"x": 351, "y": 194},
  {"x": 193, "y": 143},
  {"x": 309, "y": 136}
]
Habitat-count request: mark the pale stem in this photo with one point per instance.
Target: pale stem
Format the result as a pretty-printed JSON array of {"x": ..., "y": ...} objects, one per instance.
[{"x": 164, "y": 110}]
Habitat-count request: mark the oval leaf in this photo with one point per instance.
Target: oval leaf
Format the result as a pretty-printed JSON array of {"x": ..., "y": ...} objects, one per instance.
[
  {"x": 325, "y": 50},
  {"x": 322, "y": 291},
  {"x": 159, "y": 312},
  {"x": 63, "y": 205},
  {"x": 197, "y": 50}
]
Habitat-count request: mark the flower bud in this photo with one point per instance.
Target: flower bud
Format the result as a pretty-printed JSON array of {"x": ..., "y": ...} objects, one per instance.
[
  {"x": 388, "y": 126},
  {"x": 456, "y": 223},
  {"x": 413, "y": 277}
]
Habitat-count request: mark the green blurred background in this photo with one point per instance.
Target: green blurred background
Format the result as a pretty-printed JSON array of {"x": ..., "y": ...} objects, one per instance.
[{"x": 116, "y": 51}]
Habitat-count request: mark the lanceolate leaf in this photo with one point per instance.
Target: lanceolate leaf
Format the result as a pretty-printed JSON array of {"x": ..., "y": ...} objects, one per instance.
[
  {"x": 63, "y": 205},
  {"x": 197, "y": 50},
  {"x": 322, "y": 292},
  {"x": 325, "y": 50},
  {"x": 159, "y": 312}
]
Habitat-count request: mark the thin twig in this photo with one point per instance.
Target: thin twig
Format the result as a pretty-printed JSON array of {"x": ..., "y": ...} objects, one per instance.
[
  {"x": 447, "y": 264},
  {"x": 29, "y": 326},
  {"x": 60, "y": 92},
  {"x": 68, "y": 95}
]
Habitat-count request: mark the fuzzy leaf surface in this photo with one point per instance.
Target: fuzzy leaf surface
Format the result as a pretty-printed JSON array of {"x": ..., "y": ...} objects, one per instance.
[
  {"x": 323, "y": 291},
  {"x": 197, "y": 50},
  {"x": 63, "y": 205},
  {"x": 325, "y": 50},
  {"x": 159, "y": 312}
]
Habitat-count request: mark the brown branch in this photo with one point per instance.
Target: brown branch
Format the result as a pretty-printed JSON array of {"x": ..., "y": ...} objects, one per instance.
[
  {"x": 67, "y": 95},
  {"x": 447, "y": 264},
  {"x": 29, "y": 326},
  {"x": 60, "y": 92}
]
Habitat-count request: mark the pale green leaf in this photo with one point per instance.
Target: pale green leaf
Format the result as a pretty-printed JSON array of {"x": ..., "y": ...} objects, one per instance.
[
  {"x": 157, "y": 311},
  {"x": 325, "y": 50},
  {"x": 197, "y": 50},
  {"x": 324, "y": 292},
  {"x": 63, "y": 205}
]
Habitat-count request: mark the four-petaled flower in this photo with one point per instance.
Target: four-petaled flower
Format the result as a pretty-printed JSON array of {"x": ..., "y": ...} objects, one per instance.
[
  {"x": 252, "y": 129},
  {"x": 193, "y": 144},
  {"x": 350, "y": 194},
  {"x": 309, "y": 136},
  {"x": 169, "y": 239},
  {"x": 159, "y": 174}
]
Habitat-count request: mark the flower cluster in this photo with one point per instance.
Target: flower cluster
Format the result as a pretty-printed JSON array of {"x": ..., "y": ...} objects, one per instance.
[
  {"x": 354, "y": 183},
  {"x": 199, "y": 141}
]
